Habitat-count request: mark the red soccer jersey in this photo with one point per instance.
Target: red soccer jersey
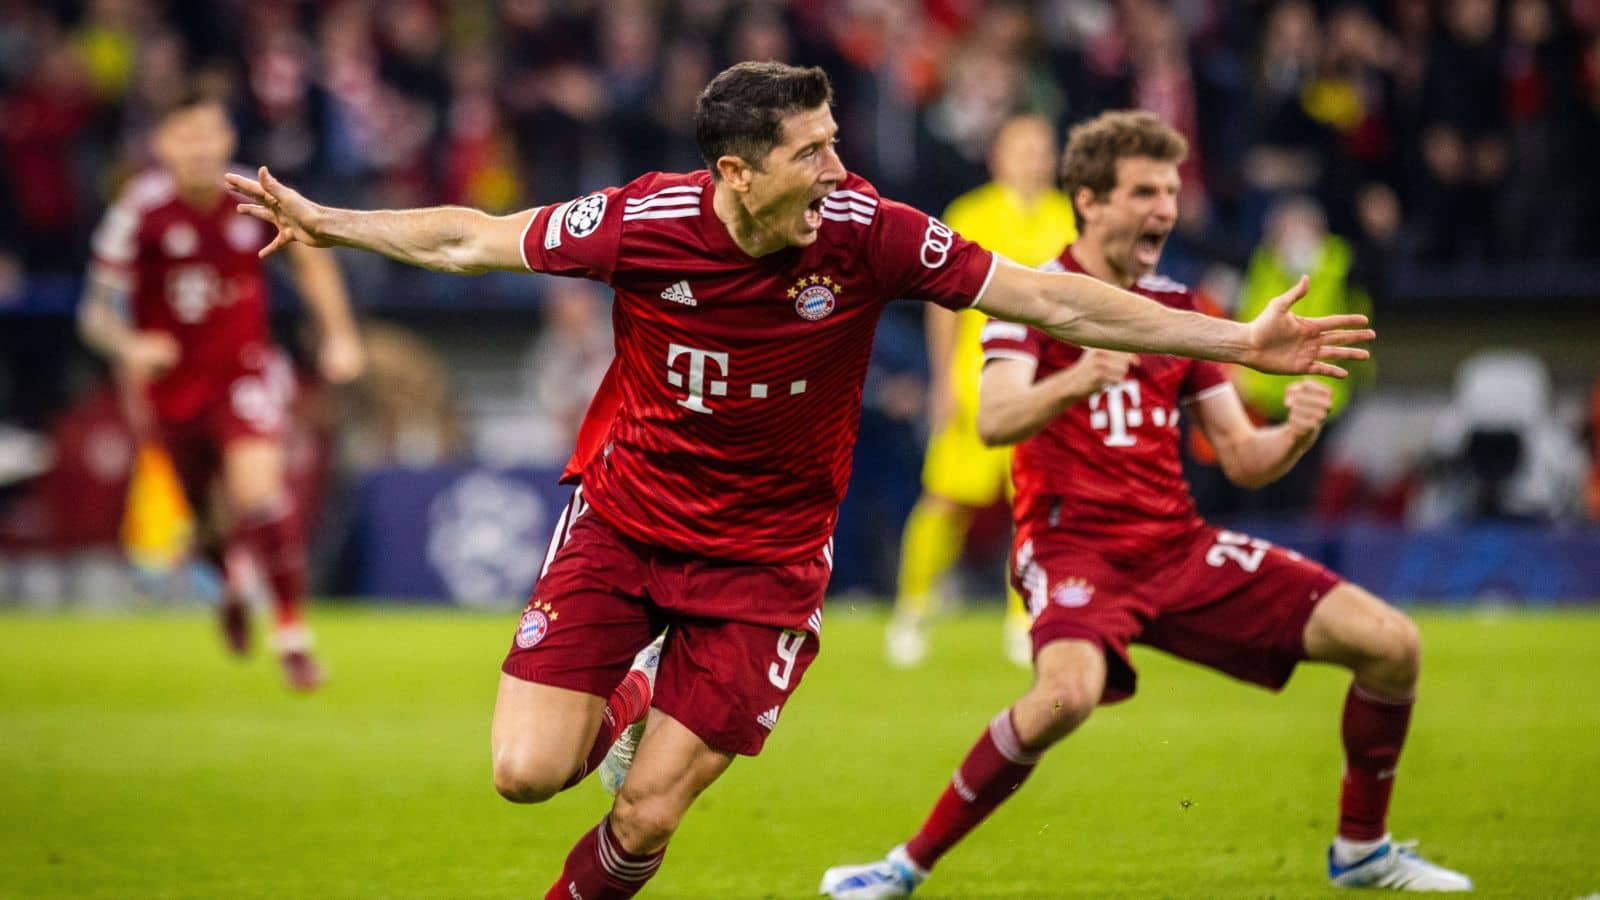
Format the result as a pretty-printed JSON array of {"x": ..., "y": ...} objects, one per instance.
[
  {"x": 192, "y": 273},
  {"x": 734, "y": 400},
  {"x": 1108, "y": 468}
]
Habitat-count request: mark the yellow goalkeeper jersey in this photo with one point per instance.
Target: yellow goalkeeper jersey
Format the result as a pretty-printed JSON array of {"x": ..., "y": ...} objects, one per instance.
[{"x": 1029, "y": 234}]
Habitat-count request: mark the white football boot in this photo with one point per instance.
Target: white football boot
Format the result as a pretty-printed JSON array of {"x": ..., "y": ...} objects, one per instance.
[
  {"x": 619, "y": 759},
  {"x": 905, "y": 643},
  {"x": 893, "y": 876},
  {"x": 1396, "y": 867}
]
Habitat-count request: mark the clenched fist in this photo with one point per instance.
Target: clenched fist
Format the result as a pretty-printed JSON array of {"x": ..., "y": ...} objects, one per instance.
[
  {"x": 1098, "y": 369},
  {"x": 1308, "y": 403}
]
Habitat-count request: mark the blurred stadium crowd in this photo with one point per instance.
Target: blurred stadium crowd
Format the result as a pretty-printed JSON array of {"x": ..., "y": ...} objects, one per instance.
[
  {"x": 1444, "y": 145},
  {"x": 1429, "y": 131}
]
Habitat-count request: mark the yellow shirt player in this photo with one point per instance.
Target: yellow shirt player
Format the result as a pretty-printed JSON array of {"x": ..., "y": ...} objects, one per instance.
[{"x": 1021, "y": 216}]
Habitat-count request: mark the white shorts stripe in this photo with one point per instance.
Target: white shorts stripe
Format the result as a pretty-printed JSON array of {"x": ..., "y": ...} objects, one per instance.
[{"x": 569, "y": 515}]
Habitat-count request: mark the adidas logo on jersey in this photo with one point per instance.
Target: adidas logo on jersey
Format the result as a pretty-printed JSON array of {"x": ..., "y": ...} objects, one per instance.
[
  {"x": 768, "y": 719},
  {"x": 679, "y": 293}
]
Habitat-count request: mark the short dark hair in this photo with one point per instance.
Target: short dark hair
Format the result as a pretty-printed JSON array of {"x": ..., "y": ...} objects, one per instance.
[
  {"x": 1093, "y": 148},
  {"x": 741, "y": 112},
  {"x": 191, "y": 96}
]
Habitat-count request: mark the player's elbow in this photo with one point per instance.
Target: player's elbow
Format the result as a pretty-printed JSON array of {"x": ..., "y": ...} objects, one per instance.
[{"x": 993, "y": 430}]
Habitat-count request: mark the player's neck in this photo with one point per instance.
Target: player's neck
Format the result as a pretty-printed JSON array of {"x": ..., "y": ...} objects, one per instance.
[
  {"x": 746, "y": 232},
  {"x": 1025, "y": 194},
  {"x": 200, "y": 197},
  {"x": 1092, "y": 257}
]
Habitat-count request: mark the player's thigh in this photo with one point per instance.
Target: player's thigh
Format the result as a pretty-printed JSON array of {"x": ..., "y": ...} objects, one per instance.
[
  {"x": 1351, "y": 627},
  {"x": 1237, "y": 604},
  {"x": 1077, "y": 597},
  {"x": 540, "y": 735},
  {"x": 728, "y": 681},
  {"x": 252, "y": 473},
  {"x": 671, "y": 768},
  {"x": 958, "y": 468}
]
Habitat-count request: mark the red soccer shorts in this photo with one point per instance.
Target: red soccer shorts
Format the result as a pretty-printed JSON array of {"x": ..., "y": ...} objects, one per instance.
[
  {"x": 1218, "y": 598},
  {"x": 603, "y": 596},
  {"x": 253, "y": 402}
]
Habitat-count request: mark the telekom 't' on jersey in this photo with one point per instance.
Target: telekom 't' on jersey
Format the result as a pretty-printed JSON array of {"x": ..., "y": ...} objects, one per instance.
[
  {"x": 736, "y": 393},
  {"x": 1108, "y": 468}
]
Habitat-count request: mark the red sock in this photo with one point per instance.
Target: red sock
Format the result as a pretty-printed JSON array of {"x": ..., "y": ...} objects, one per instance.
[
  {"x": 628, "y": 704},
  {"x": 274, "y": 540},
  {"x": 994, "y": 768},
  {"x": 599, "y": 869},
  {"x": 1374, "y": 731}
]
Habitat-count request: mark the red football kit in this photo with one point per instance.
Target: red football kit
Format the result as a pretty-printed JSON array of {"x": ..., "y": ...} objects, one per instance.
[
  {"x": 194, "y": 274},
  {"x": 1109, "y": 547},
  {"x": 716, "y": 452}
]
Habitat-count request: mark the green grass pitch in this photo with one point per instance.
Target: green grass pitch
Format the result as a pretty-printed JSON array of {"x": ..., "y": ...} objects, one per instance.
[{"x": 137, "y": 761}]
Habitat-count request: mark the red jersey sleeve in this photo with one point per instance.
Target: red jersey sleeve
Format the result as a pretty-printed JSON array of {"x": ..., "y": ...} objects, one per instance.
[
  {"x": 578, "y": 238},
  {"x": 918, "y": 256},
  {"x": 1203, "y": 378},
  {"x": 114, "y": 246},
  {"x": 1011, "y": 340}
]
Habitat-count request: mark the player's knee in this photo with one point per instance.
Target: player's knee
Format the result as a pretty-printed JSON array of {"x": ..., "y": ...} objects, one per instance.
[
  {"x": 1068, "y": 698},
  {"x": 1394, "y": 655},
  {"x": 523, "y": 779},
  {"x": 1404, "y": 648},
  {"x": 644, "y": 822}
]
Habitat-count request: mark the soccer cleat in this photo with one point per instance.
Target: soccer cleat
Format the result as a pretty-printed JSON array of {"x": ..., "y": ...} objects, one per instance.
[
  {"x": 1395, "y": 867},
  {"x": 233, "y": 618},
  {"x": 301, "y": 671},
  {"x": 905, "y": 644},
  {"x": 619, "y": 759},
  {"x": 1019, "y": 640},
  {"x": 893, "y": 876}
]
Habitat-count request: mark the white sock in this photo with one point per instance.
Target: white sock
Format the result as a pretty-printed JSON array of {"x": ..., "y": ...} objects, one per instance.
[{"x": 1346, "y": 851}]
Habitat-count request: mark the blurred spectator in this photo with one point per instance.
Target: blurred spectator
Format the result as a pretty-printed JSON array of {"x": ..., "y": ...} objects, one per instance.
[
  {"x": 1298, "y": 243},
  {"x": 400, "y": 411},
  {"x": 1499, "y": 451},
  {"x": 563, "y": 367}
]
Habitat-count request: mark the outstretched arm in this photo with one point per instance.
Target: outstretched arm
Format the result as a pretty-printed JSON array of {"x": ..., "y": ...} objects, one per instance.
[
  {"x": 1253, "y": 456},
  {"x": 1080, "y": 309},
  {"x": 443, "y": 238}
]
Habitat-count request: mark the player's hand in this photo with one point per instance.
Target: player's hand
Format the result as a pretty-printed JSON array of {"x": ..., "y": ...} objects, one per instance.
[
  {"x": 272, "y": 201},
  {"x": 1308, "y": 403},
  {"x": 147, "y": 355},
  {"x": 341, "y": 358},
  {"x": 1098, "y": 369},
  {"x": 1287, "y": 344}
]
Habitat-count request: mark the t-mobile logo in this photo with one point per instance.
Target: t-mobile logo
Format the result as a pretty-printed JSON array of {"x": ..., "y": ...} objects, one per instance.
[
  {"x": 1115, "y": 408},
  {"x": 697, "y": 375},
  {"x": 699, "y": 385}
]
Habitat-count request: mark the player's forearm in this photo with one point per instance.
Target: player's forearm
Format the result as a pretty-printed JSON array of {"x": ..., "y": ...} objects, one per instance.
[
  {"x": 103, "y": 328},
  {"x": 1264, "y": 456},
  {"x": 441, "y": 238},
  {"x": 322, "y": 288},
  {"x": 1083, "y": 310},
  {"x": 1013, "y": 416}
]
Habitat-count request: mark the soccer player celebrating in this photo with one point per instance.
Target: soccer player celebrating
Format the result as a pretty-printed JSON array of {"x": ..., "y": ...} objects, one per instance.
[
  {"x": 1021, "y": 216},
  {"x": 746, "y": 299},
  {"x": 177, "y": 302},
  {"x": 1109, "y": 549}
]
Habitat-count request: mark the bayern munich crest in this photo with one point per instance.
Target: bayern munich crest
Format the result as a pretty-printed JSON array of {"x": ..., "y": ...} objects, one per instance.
[
  {"x": 815, "y": 296},
  {"x": 1072, "y": 593},
  {"x": 535, "y": 624}
]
